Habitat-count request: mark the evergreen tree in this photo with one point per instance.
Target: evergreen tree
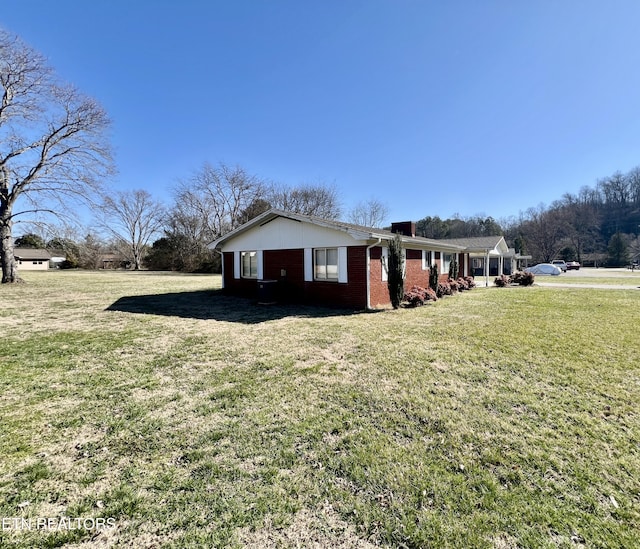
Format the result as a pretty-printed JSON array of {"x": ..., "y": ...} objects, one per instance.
[
  {"x": 433, "y": 277},
  {"x": 618, "y": 251},
  {"x": 453, "y": 268},
  {"x": 395, "y": 272}
]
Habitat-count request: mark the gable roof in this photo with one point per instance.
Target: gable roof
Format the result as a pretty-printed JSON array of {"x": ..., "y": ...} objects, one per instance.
[
  {"x": 27, "y": 254},
  {"x": 358, "y": 232},
  {"x": 479, "y": 244}
]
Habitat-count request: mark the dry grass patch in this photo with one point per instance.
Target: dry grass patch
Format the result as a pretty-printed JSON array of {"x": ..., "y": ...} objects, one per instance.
[{"x": 489, "y": 419}]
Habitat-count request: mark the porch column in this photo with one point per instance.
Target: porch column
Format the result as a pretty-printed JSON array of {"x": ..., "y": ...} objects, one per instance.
[{"x": 486, "y": 269}]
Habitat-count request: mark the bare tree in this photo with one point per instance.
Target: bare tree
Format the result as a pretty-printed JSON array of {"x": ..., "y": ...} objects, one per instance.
[
  {"x": 369, "y": 213},
  {"x": 219, "y": 195},
  {"x": 52, "y": 142},
  {"x": 133, "y": 218},
  {"x": 544, "y": 231},
  {"x": 318, "y": 200}
]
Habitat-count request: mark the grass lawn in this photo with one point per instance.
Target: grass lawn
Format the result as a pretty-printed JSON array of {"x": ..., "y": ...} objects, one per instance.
[{"x": 497, "y": 418}]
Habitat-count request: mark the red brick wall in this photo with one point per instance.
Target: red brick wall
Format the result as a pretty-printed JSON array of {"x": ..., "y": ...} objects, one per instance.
[
  {"x": 240, "y": 286},
  {"x": 292, "y": 286},
  {"x": 414, "y": 275},
  {"x": 291, "y": 281},
  {"x": 379, "y": 290}
]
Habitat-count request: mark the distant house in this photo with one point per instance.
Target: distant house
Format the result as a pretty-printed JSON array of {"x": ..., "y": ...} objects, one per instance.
[
  {"x": 490, "y": 256},
  {"x": 113, "y": 260},
  {"x": 32, "y": 259},
  {"x": 304, "y": 258}
]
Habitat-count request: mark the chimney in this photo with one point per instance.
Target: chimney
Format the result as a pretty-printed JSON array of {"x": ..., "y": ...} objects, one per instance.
[{"x": 406, "y": 228}]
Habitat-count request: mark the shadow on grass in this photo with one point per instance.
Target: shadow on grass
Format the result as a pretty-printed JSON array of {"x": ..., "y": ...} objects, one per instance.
[{"x": 215, "y": 305}]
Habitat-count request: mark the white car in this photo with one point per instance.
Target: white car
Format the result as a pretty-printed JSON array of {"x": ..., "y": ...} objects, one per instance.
[
  {"x": 543, "y": 269},
  {"x": 560, "y": 264}
]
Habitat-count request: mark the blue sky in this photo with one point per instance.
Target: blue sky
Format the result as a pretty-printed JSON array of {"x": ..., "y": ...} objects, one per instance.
[{"x": 435, "y": 108}]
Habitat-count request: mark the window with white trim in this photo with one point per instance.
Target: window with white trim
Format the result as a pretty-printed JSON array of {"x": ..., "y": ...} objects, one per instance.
[
  {"x": 325, "y": 263},
  {"x": 249, "y": 264},
  {"x": 446, "y": 262},
  {"x": 427, "y": 260}
]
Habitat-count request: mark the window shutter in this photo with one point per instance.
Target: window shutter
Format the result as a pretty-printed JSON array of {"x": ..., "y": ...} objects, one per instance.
[
  {"x": 385, "y": 264},
  {"x": 342, "y": 265},
  {"x": 260, "y": 265},
  {"x": 308, "y": 264},
  {"x": 236, "y": 264}
]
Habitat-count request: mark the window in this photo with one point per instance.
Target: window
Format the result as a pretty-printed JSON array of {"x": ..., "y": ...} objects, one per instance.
[
  {"x": 446, "y": 262},
  {"x": 426, "y": 260},
  {"x": 326, "y": 263},
  {"x": 249, "y": 262}
]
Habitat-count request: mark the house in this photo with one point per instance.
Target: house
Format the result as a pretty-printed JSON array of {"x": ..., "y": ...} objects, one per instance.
[
  {"x": 31, "y": 259},
  {"x": 297, "y": 257},
  {"x": 490, "y": 256},
  {"x": 112, "y": 260}
]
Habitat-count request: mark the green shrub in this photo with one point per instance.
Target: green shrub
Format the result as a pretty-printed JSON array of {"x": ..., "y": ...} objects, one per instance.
[
  {"x": 395, "y": 278},
  {"x": 453, "y": 269},
  {"x": 433, "y": 277}
]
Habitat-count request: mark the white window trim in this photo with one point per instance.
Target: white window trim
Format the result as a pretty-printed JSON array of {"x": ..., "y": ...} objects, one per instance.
[
  {"x": 260, "y": 265},
  {"x": 444, "y": 270},
  {"x": 427, "y": 259},
  {"x": 236, "y": 265},
  {"x": 315, "y": 255},
  {"x": 343, "y": 277},
  {"x": 308, "y": 264}
]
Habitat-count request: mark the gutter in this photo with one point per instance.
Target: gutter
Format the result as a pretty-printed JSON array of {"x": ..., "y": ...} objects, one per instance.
[{"x": 369, "y": 271}]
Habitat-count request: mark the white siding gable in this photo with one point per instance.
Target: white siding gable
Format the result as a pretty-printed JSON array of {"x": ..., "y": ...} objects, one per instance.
[{"x": 287, "y": 234}]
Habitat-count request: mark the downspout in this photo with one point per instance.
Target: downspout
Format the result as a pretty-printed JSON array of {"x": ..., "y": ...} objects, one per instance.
[{"x": 369, "y": 271}]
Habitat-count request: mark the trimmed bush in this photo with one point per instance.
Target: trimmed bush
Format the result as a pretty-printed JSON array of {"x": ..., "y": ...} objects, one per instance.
[
  {"x": 418, "y": 296},
  {"x": 443, "y": 289},
  {"x": 502, "y": 281},
  {"x": 470, "y": 282},
  {"x": 463, "y": 285},
  {"x": 522, "y": 278},
  {"x": 431, "y": 294},
  {"x": 454, "y": 286}
]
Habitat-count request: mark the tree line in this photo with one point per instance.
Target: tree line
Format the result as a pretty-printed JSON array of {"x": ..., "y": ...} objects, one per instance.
[{"x": 600, "y": 225}]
